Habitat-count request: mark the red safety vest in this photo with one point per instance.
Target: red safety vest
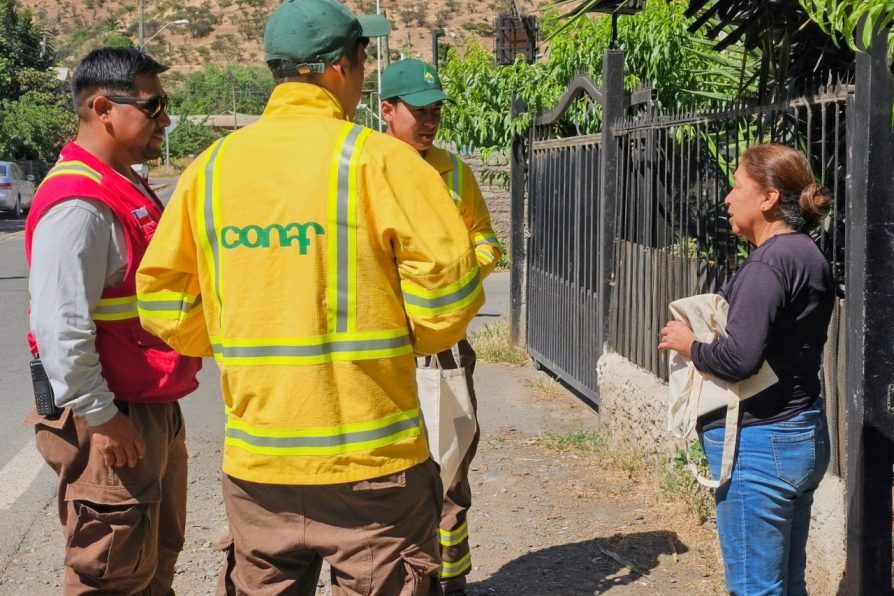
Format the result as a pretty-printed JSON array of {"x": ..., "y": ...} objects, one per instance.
[{"x": 138, "y": 366}]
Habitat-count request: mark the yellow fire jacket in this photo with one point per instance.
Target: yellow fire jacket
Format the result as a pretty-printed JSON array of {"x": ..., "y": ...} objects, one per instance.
[
  {"x": 467, "y": 195},
  {"x": 319, "y": 272}
]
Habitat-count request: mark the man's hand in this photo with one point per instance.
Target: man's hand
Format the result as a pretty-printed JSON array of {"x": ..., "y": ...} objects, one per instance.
[
  {"x": 119, "y": 442},
  {"x": 677, "y": 336}
]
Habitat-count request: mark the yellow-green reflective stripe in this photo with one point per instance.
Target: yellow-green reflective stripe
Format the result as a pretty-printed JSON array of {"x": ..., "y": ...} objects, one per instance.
[
  {"x": 456, "y": 569},
  {"x": 342, "y": 275},
  {"x": 115, "y": 309},
  {"x": 335, "y": 440},
  {"x": 456, "y": 178},
  {"x": 484, "y": 256},
  {"x": 480, "y": 239},
  {"x": 210, "y": 184},
  {"x": 76, "y": 168},
  {"x": 443, "y": 297},
  {"x": 452, "y": 538},
  {"x": 167, "y": 306},
  {"x": 310, "y": 347}
]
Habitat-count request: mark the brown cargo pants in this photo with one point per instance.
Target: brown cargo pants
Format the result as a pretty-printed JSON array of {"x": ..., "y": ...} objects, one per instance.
[
  {"x": 124, "y": 527},
  {"x": 456, "y": 556},
  {"x": 379, "y": 536}
]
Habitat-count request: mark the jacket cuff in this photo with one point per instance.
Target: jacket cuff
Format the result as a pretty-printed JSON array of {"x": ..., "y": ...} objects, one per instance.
[
  {"x": 694, "y": 354},
  {"x": 101, "y": 416}
]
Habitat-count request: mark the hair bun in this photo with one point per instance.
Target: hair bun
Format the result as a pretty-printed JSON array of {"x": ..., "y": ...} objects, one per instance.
[{"x": 814, "y": 203}]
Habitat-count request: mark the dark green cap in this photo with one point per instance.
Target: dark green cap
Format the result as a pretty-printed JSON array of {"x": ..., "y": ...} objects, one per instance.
[
  {"x": 316, "y": 33},
  {"x": 414, "y": 82}
]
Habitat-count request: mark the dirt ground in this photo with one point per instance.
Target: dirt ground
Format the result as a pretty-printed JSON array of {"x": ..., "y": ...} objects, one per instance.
[{"x": 545, "y": 522}]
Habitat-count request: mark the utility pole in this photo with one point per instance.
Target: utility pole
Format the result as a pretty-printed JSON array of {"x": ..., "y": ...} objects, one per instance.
[
  {"x": 141, "y": 26},
  {"x": 379, "y": 69},
  {"x": 435, "y": 35}
]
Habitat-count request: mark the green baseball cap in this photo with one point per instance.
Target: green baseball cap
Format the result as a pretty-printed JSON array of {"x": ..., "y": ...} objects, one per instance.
[
  {"x": 414, "y": 82},
  {"x": 316, "y": 33}
]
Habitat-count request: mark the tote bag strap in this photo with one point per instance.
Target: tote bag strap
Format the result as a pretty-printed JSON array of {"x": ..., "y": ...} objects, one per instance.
[{"x": 730, "y": 442}]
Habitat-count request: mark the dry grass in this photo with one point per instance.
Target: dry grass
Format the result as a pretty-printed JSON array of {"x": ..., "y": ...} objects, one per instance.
[
  {"x": 491, "y": 344},
  {"x": 545, "y": 386}
]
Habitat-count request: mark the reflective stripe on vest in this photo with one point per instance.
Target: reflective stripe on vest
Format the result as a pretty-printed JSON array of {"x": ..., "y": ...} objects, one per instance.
[
  {"x": 457, "y": 295},
  {"x": 168, "y": 305},
  {"x": 450, "y": 570},
  {"x": 452, "y": 538},
  {"x": 342, "y": 342},
  {"x": 334, "y": 440},
  {"x": 273, "y": 351},
  {"x": 77, "y": 168},
  {"x": 116, "y": 309},
  {"x": 455, "y": 180},
  {"x": 341, "y": 295},
  {"x": 209, "y": 217}
]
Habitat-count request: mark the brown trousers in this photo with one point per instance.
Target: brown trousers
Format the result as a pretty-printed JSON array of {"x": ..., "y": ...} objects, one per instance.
[
  {"x": 456, "y": 556},
  {"x": 379, "y": 536},
  {"x": 124, "y": 527}
]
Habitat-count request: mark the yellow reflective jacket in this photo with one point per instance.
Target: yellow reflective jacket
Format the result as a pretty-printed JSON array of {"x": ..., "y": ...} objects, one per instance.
[
  {"x": 319, "y": 272},
  {"x": 466, "y": 194}
]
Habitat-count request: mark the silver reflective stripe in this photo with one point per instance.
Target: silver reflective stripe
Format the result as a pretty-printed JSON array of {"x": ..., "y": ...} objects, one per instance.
[
  {"x": 114, "y": 309},
  {"x": 344, "y": 230},
  {"x": 210, "y": 229},
  {"x": 313, "y": 350},
  {"x": 325, "y": 441},
  {"x": 454, "y": 178},
  {"x": 170, "y": 305},
  {"x": 446, "y": 299}
]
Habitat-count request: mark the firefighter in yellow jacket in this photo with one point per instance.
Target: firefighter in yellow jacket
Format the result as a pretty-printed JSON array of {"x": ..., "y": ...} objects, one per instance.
[
  {"x": 319, "y": 273},
  {"x": 412, "y": 109}
]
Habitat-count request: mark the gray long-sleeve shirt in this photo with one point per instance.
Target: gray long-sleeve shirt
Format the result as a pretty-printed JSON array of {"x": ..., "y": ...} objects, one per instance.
[{"x": 78, "y": 249}]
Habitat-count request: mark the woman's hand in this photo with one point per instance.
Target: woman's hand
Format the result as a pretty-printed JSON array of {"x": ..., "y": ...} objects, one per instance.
[{"x": 677, "y": 336}]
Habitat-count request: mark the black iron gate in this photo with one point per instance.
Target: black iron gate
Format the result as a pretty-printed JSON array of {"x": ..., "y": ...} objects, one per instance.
[{"x": 563, "y": 292}]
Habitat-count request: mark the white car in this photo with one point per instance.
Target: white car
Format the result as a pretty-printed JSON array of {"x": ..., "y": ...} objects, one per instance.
[{"x": 16, "y": 189}]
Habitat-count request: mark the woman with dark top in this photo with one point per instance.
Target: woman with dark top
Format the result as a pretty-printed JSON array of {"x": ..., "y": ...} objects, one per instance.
[{"x": 780, "y": 302}]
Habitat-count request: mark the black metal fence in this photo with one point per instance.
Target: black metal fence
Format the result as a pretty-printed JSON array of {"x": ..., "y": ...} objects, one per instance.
[
  {"x": 563, "y": 292},
  {"x": 623, "y": 223}
]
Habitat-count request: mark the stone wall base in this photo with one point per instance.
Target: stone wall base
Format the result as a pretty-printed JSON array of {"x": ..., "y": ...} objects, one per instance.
[{"x": 633, "y": 408}]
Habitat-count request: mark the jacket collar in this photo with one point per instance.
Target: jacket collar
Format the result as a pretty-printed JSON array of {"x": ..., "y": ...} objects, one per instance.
[
  {"x": 302, "y": 99},
  {"x": 439, "y": 160}
]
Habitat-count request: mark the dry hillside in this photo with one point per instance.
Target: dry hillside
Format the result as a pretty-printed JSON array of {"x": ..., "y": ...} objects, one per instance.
[{"x": 229, "y": 31}]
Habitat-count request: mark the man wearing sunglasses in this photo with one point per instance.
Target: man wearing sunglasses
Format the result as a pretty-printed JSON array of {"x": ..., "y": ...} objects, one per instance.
[{"x": 116, "y": 434}]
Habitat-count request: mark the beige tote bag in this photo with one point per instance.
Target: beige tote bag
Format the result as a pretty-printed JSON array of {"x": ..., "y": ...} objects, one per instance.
[
  {"x": 450, "y": 422},
  {"x": 694, "y": 393}
]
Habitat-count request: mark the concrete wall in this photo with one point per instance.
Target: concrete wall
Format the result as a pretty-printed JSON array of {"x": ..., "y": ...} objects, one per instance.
[
  {"x": 634, "y": 407},
  {"x": 497, "y": 198}
]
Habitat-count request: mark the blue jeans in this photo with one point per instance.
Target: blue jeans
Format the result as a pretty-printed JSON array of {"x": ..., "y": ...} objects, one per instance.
[{"x": 763, "y": 512}]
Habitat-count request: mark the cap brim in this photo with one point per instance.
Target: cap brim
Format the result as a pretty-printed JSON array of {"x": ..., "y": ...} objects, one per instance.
[
  {"x": 421, "y": 99},
  {"x": 374, "y": 25}
]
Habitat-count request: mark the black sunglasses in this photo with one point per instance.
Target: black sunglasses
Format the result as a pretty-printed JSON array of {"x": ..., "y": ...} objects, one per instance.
[{"x": 153, "y": 106}]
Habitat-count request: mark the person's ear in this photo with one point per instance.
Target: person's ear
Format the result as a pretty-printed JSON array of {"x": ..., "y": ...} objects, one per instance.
[
  {"x": 770, "y": 200},
  {"x": 387, "y": 111},
  {"x": 341, "y": 68},
  {"x": 101, "y": 107}
]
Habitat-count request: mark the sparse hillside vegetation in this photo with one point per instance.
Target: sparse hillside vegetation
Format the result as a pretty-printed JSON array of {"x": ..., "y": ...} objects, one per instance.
[{"x": 229, "y": 31}]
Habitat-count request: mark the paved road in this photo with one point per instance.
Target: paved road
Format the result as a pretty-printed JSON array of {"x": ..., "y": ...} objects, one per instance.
[{"x": 26, "y": 483}]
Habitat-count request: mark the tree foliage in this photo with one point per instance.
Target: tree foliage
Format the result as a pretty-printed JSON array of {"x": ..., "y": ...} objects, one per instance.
[
  {"x": 35, "y": 111},
  {"x": 659, "y": 50},
  {"x": 853, "y": 21},
  {"x": 211, "y": 91},
  {"x": 191, "y": 139},
  {"x": 20, "y": 48}
]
